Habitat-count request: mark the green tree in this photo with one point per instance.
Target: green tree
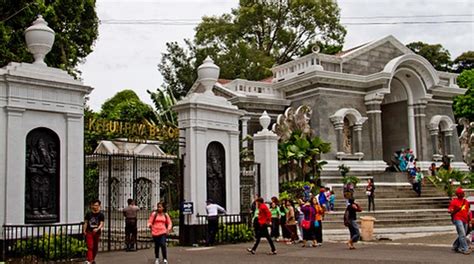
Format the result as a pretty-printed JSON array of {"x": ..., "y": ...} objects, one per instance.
[
  {"x": 251, "y": 39},
  {"x": 126, "y": 106},
  {"x": 463, "y": 105},
  {"x": 438, "y": 56},
  {"x": 465, "y": 61},
  {"x": 74, "y": 21}
]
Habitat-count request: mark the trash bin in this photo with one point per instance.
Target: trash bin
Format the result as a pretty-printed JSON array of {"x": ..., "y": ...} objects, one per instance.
[{"x": 367, "y": 228}]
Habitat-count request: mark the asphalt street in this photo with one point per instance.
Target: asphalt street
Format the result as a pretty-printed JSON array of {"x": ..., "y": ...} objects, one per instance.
[{"x": 434, "y": 249}]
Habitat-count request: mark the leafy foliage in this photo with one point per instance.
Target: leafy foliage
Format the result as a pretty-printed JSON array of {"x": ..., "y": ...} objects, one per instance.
[
  {"x": 444, "y": 180},
  {"x": 465, "y": 61},
  {"x": 436, "y": 54},
  {"x": 302, "y": 152},
  {"x": 293, "y": 190},
  {"x": 463, "y": 105},
  {"x": 74, "y": 21},
  {"x": 50, "y": 247},
  {"x": 236, "y": 233},
  {"x": 351, "y": 179},
  {"x": 343, "y": 169},
  {"x": 91, "y": 183},
  {"x": 247, "y": 42}
]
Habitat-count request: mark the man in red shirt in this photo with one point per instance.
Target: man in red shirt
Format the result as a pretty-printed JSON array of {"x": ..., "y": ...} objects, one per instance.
[
  {"x": 264, "y": 220},
  {"x": 460, "y": 214}
]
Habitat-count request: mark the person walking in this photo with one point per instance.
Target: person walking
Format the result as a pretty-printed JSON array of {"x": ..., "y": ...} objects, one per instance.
[
  {"x": 264, "y": 220},
  {"x": 309, "y": 212},
  {"x": 318, "y": 223},
  {"x": 130, "y": 214},
  {"x": 285, "y": 233},
  {"x": 93, "y": 225},
  {"x": 276, "y": 214},
  {"x": 370, "y": 192},
  {"x": 160, "y": 224},
  {"x": 418, "y": 181},
  {"x": 459, "y": 209},
  {"x": 350, "y": 221},
  {"x": 212, "y": 210},
  {"x": 291, "y": 222}
]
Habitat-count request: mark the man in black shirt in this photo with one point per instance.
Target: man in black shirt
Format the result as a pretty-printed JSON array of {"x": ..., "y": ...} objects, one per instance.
[{"x": 93, "y": 224}]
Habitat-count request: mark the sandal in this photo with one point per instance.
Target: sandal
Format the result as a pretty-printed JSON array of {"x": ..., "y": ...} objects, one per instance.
[
  {"x": 272, "y": 253},
  {"x": 251, "y": 251}
]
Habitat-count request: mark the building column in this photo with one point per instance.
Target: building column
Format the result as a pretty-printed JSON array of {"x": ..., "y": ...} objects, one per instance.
[
  {"x": 339, "y": 137},
  {"x": 374, "y": 113},
  {"x": 420, "y": 131},
  {"x": 73, "y": 182},
  {"x": 434, "y": 143},
  {"x": 448, "y": 135},
  {"x": 358, "y": 136},
  {"x": 244, "y": 120},
  {"x": 265, "y": 146},
  {"x": 15, "y": 167}
]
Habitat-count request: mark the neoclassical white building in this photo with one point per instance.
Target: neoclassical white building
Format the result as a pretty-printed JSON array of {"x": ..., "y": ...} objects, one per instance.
[{"x": 368, "y": 102}]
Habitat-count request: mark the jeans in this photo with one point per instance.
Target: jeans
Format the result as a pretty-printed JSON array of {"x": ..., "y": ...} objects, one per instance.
[
  {"x": 371, "y": 202},
  {"x": 262, "y": 231},
  {"x": 92, "y": 241},
  {"x": 460, "y": 243},
  {"x": 160, "y": 242},
  {"x": 354, "y": 230}
]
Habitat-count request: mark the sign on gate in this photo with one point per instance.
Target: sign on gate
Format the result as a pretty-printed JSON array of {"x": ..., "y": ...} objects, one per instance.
[{"x": 187, "y": 208}]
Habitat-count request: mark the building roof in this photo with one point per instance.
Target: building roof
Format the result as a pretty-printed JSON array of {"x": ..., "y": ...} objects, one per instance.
[{"x": 121, "y": 146}]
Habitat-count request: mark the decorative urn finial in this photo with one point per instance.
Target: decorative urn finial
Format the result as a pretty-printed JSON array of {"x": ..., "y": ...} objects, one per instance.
[
  {"x": 39, "y": 39},
  {"x": 208, "y": 73},
  {"x": 265, "y": 121}
]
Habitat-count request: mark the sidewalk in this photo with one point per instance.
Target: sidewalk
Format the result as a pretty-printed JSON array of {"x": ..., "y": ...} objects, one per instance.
[{"x": 428, "y": 249}]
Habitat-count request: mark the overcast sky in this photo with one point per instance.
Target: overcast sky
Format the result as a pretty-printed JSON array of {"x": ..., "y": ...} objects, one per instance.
[{"x": 126, "y": 56}]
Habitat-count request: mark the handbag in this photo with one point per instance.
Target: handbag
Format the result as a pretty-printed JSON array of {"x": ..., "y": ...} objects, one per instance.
[
  {"x": 316, "y": 223},
  {"x": 305, "y": 224},
  {"x": 368, "y": 193}
]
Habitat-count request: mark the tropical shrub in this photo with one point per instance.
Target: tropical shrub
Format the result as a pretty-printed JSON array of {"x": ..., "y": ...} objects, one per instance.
[
  {"x": 445, "y": 180},
  {"x": 236, "y": 233},
  {"x": 50, "y": 247}
]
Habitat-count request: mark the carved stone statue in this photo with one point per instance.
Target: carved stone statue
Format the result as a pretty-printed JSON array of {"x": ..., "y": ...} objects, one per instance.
[
  {"x": 464, "y": 139},
  {"x": 347, "y": 132},
  {"x": 41, "y": 169},
  {"x": 216, "y": 173},
  {"x": 292, "y": 120}
]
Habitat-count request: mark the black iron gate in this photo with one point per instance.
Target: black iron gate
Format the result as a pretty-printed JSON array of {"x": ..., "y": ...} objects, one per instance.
[
  {"x": 113, "y": 179},
  {"x": 249, "y": 184}
]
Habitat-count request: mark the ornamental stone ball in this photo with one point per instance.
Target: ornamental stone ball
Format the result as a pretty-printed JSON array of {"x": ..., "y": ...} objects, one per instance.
[
  {"x": 208, "y": 73},
  {"x": 39, "y": 39}
]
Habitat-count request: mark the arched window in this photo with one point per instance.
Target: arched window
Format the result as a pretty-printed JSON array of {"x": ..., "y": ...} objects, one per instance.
[
  {"x": 143, "y": 193},
  {"x": 441, "y": 131},
  {"x": 348, "y": 125},
  {"x": 115, "y": 193}
]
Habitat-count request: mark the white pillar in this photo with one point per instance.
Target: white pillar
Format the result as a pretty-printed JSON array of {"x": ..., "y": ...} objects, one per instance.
[
  {"x": 245, "y": 120},
  {"x": 265, "y": 145},
  {"x": 411, "y": 128},
  {"x": 72, "y": 182}
]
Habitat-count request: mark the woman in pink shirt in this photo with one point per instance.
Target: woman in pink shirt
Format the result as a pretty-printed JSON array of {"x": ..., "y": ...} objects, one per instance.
[{"x": 160, "y": 225}]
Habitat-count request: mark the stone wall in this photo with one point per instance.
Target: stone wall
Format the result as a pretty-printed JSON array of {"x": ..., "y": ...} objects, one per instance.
[
  {"x": 325, "y": 104},
  {"x": 372, "y": 61}
]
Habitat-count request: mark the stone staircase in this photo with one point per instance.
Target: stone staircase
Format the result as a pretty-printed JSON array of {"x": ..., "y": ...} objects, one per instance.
[{"x": 397, "y": 205}]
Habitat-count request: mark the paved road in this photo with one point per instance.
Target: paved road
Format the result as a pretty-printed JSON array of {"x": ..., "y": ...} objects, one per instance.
[{"x": 330, "y": 252}]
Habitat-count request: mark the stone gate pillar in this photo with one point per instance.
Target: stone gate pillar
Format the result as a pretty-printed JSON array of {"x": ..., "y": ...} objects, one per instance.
[
  {"x": 265, "y": 148},
  {"x": 41, "y": 138},
  {"x": 210, "y": 126}
]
